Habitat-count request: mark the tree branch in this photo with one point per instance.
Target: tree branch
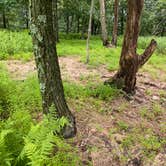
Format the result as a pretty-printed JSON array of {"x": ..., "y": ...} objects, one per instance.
[{"x": 147, "y": 53}]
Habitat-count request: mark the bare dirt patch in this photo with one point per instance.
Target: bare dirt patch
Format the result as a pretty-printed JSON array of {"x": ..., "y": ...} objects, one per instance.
[{"x": 71, "y": 69}]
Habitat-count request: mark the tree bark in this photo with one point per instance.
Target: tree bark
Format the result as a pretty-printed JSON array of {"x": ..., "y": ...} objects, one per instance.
[
  {"x": 27, "y": 19},
  {"x": 130, "y": 61},
  {"x": 115, "y": 28},
  {"x": 67, "y": 24},
  {"x": 89, "y": 30},
  {"x": 78, "y": 24},
  {"x": 103, "y": 24},
  {"x": 83, "y": 30},
  {"x": 55, "y": 19},
  {"x": 4, "y": 19},
  {"x": 47, "y": 63},
  {"x": 122, "y": 20}
]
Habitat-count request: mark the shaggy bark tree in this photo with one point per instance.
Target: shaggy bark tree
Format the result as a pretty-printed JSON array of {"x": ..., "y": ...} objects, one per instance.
[
  {"x": 41, "y": 25},
  {"x": 130, "y": 61},
  {"x": 115, "y": 28},
  {"x": 103, "y": 24},
  {"x": 89, "y": 30}
]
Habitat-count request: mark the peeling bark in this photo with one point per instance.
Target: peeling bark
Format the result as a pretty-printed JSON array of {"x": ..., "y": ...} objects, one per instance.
[{"x": 130, "y": 61}]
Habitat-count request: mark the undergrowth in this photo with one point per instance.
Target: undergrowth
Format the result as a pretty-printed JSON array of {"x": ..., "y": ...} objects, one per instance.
[{"x": 26, "y": 139}]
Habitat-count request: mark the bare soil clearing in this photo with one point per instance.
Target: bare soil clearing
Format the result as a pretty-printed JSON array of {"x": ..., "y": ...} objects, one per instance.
[{"x": 94, "y": 141}]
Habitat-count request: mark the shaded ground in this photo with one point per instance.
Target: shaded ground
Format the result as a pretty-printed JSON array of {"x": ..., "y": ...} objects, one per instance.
[{"x": 105, "y": 138}]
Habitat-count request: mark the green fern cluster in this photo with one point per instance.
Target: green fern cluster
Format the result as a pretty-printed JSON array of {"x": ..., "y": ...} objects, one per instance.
[{"x": 24, "y": 142}]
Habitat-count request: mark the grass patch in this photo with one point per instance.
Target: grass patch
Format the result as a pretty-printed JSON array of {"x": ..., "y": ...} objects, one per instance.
[{"x": 18, "y": 45}]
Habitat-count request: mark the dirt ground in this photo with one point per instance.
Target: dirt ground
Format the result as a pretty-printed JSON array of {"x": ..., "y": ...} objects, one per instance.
[{"x": 93, "y": 138}]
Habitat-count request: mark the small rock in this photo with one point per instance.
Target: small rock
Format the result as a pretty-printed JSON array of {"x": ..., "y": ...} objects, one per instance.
[{"x": 156, "y": 98}]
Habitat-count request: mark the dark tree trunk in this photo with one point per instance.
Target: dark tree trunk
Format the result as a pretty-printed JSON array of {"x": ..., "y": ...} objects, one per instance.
[
  {"x": 78, "y": 24},
  {"x": 115, "y": 28},
  {"x": 67, "y": 24},
  {"x": 83, "y": 30},
  {"x": 47, "y": 62},
  {"x": 4, "y": 20},
  {"x": 55, "y": 19},
  {"x": 130, "y": 61},
  {"x": 71, "y": 23},
  {"x": 163, "y": 31},
  {"x": 27, "y": 19}
]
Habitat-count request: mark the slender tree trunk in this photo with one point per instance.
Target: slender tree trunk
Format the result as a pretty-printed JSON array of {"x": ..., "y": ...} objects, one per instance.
[
  {"x": 71, "y": 23},
  {"x": 122, "y": 20},
  {"x": 83, "y": 30},
  {"x": 130, "y": 61},
  {"x": 47, "y": 63},
  {"x": 4, "y": 19},
  {"x": 115, "y": 28},
  {"x": 67, "y": 24},
  {"x": 78, "y": 24},
  {"x": 89, "y": 30},
  {"x": 103, "y": 23},
  {"x": 55, "y": 19},
  {"x": 27, "y": 19}
]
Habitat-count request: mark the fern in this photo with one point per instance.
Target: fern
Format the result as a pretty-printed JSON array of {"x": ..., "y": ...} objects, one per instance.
[
  {"x": 5, "y": 155},
  {"x": 42, "y": 145}
]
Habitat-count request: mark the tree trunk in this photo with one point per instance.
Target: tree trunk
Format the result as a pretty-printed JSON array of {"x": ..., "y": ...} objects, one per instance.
[
  {"x": 4, "y": 19},
  {"x": 71, "y": 23},
  {"x": 55, "y": 19},
  {"x": 89, "y": 30},
  {"x": 67, "y": 24},
  {"x": 47, "y": 63},
  {"x": 27, "y": 19},
  {"x": 83, "y": 30},
  {"x": 130, "y": 61},
  {"x": 122, "y": 20},
  {"x": 103, "y": 23},
  {"x": 93, "y": 26},
  {"x": 115, "y": 28},
  {"x": 78, "y": 24}
]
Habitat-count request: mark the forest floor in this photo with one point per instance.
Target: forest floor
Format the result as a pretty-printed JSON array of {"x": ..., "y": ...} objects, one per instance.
[{"x": 114, "y": 132}]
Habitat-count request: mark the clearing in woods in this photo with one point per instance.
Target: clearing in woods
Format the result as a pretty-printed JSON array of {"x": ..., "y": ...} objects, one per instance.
[{"x": 114, "y": 131}]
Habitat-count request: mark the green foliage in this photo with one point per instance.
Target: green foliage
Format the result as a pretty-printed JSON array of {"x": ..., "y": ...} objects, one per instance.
[
  {"x": 6, "y": 86},
  {"x": 152, "y": 113},
  {"x": 123, "y": 125},
  {"x": 22, "y": 140},
  {"x": 44, "y": 147},
  {"x": 16, "y": 95},
  {"x": 128, "y": 141},
  {"x": 28, "y": 93},
  {"x": 99, "y": 91},
  {"x": 18, "y": 45},
  {"x": 150, "y": 144},
  {"x": 14, "y": 43}
]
